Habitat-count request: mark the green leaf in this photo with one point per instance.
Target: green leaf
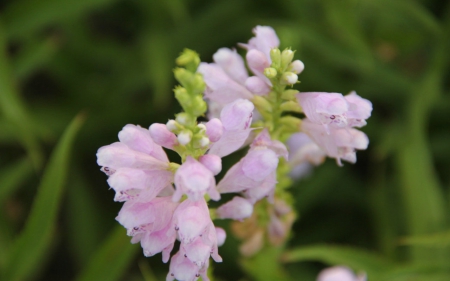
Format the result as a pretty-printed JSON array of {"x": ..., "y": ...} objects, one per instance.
[
  {"x": 31, "y": 246},
  {"x": 439, "y": 239},
  {"x": 13, "y": 109},
  {"x": 12, "y": 176},
  {"x": 358, "y": 259},
  {"x": 111, "y": 260}
]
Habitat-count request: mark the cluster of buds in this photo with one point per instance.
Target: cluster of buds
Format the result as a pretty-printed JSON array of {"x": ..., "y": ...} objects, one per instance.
[{"x": 166, "y": 201}]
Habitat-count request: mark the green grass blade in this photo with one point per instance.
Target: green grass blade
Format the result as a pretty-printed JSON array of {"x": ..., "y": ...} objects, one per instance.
[
  {"x": 358, "y": 259},
  {"x": 111, "y": 260},
  {"x": 31, "y": 246},
  {"x": 12, "y": 176},
  {"x": 13, "y": 109}
]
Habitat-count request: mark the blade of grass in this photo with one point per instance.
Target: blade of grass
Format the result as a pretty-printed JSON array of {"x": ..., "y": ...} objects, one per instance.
[
  {"x": 13, "y": 176},
  {"x": 30, "y": 247},
  {"x": 112, "y": 258},
  {"x": 13, "y": 108},
  {"x": 358, "y": 259}
]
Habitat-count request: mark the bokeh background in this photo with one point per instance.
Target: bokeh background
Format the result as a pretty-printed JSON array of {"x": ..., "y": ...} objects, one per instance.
[{"x": 74, "y": 72}]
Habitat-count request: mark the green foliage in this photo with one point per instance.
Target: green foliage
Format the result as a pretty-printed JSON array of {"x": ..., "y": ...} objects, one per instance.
[{"x": 115, "y": 60}]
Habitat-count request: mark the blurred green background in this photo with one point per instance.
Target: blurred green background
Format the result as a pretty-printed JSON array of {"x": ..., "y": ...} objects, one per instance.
[{"x": 74, "y": 72}]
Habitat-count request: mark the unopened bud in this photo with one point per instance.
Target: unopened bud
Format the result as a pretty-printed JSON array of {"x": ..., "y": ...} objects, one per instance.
[
  {"x": 297, "y": 66},
  {"x": 270, "y": 72},
  {"x": 184, "y": 119},
  {"x": 212, "y": 162},
  {"x": 203, "y": 142},
  {"x": 289, "y": 94},
  {"x": 202, "y": 127},
  {"x": 289, "y": 78},
  {"x": 184, "y": 137},
  {"x": 286, "y": 58},
  {"x": 214, "y": 129},
  {"x": 188, "y": 58},
  {"x": 172, "y": 126},
  {"x": 291, "y": 106},
  {"x": 275, "y": 56}
]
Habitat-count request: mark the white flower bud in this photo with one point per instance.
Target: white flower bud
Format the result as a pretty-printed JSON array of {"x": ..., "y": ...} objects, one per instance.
[
  {"x": 172, "y": 125},
  {"x": 184, "y": 137},
  {"x": 297, "y": 66},
  {"x": 289, "y": 78}
]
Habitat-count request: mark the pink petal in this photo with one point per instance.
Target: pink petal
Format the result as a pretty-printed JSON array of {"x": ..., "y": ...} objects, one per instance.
[
  {"x": 237, "y": 209},
  {"x": 162, "y": 136},
  {"x": 232, "y": 63}
]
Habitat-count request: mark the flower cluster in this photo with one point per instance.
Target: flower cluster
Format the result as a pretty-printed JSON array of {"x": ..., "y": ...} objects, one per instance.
[{"x": 166, "y": 201}]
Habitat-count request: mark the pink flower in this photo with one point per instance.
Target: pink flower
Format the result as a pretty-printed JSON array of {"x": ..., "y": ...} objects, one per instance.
[
  {"x": 221, "y": 88},
  {"x": 236, "y": 118},
  {"x": 135, "y": 165},
  {"x": 325, "y": 108},
  {"x": 163, "y": 136},
  {"x": 255, "y": 174},
  {"x": 265, "y": 39},
  {"x": 360, "y": 110},
  {"x": 303, "y": 152},
  {"x": 339, "y": 143},
  {"x": 335, "y": 110},
  {"x": 194, "y": 180}
]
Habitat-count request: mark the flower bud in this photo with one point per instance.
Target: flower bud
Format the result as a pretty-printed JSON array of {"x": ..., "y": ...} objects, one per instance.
[
  {"x": 289, "y": 95},
  {"x": 172, "y": 126},
  {"x": 162, "y": 136},
  {"x": 221, "y": 236},
  {"x": 185, "y": 137},
  {"x": 214, "y": 129},
  {"x": 203, "y": 142},
  {"x": 275, "y": 56},
  {"x": 297, "y": 66},
  {"x": 257, "y": 86},
  {"x": 188, "y": 58},
  {"x": 263, "y": 106},
  {"x": 238, "y": 209},
  {"x": 184, "y": 119},
  {"x": 286, "y": 58},
  {"x": 270, "y": 72},
  {"x": 289, "y": 78}
]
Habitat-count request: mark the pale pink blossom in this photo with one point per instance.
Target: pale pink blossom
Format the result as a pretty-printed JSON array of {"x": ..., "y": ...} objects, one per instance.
[
  {"x": 339, "y": 143},
  {"x": 329, "y": 109},
  {"x": 236, "y": 119},
  {"x": 360, "y": 110},
  {"x": 182, "y": 268},
  {"x": 232, "y": 64},
  {"x": 194, "y": 180},
  {"x": 303, "y": 153},
  {"x": 237, "y": 209},
  {"x": 265, "y": 39},
  {"x": 255, "y": 174},
  {"x": 220, "y": 87}
]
